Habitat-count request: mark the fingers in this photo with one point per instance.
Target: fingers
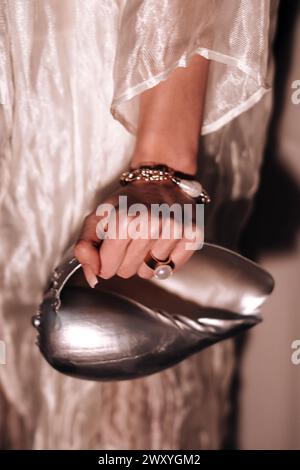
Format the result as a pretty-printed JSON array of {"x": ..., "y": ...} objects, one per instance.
[
  {"x": 187, "y": 247},
  {"x": 161, "y": 249},
  {"x": 112, "y": 253},
  {"x": 86, "y": 250},
  {"x": 124, "y": 255},
  {"x": 134, "y": 256},
  {"x": 87, "y": 255},
  {"x": 180, "y": 255},
  {"x": 179, "y": 251},
  {"x": 113, "y": 248}
]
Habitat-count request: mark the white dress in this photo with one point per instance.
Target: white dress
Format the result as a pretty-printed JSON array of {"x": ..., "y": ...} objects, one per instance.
[{"x": 71, "y": 73}]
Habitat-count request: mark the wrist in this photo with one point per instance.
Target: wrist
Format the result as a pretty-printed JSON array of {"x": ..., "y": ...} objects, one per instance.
[{"x": 179, "y": 161}]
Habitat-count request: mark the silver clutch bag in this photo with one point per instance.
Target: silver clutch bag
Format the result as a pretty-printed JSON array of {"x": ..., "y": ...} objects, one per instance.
[{"x": 124, "y": 329}]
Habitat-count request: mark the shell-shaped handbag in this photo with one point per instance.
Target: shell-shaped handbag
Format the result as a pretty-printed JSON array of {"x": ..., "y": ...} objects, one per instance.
[{"x": 124, "y": 329}]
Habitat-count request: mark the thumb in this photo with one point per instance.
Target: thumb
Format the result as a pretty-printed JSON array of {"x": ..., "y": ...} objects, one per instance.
[{"x": 88, "y": 256}]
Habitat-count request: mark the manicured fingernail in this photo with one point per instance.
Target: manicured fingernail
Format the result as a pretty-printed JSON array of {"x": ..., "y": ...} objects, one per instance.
[{"x": 90, "y": 276}]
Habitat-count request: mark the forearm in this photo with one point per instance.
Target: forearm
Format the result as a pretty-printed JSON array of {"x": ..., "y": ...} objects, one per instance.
[
  {"x": 168, "y": 132},
  {"x": 170, "y": 118}
]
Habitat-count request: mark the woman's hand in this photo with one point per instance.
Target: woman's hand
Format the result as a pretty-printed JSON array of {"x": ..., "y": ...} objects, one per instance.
[
  {"x": 174, "y": 235},
  {"x": 170, "y": 118}
]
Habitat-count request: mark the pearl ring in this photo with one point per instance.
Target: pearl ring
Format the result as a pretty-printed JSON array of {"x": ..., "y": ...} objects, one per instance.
[{"x": 162, "y": 268}]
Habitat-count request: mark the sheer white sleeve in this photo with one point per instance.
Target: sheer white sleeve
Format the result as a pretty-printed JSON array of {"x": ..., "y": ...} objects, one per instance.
[{"x": 156, "y": 36}]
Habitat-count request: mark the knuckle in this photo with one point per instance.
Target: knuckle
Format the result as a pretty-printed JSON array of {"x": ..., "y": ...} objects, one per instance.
[
  {"x": 88, "y": 219},
  {"x": 105, "y": 274},
  {"x": 127, "y": 270},
  {"x": 125, "y": 273},
  {"x": 141, "y": 273},
  {"x": 80, "y": 249}
]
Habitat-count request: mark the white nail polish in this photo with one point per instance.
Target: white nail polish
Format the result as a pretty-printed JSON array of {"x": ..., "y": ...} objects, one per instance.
[{"x": 90, "y": 276}]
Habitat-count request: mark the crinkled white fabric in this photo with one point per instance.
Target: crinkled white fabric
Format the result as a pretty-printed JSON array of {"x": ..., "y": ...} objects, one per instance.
[
  {"x": 61, "y": 153},
  {"x": 157, "y": 36}
]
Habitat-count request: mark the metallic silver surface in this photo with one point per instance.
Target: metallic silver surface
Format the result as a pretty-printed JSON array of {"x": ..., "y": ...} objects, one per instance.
[{"x": 103, "y": 334}]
